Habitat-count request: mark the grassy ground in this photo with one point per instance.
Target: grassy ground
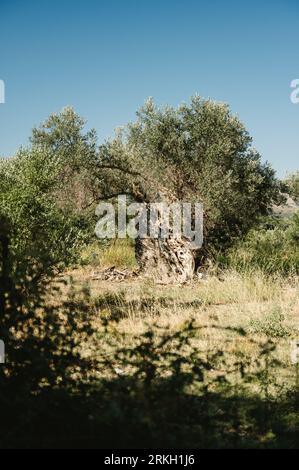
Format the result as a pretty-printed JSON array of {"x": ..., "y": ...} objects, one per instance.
[
  {"x": 204, "y": 365},
  {"x": 266, "y": 308},
  {"x": 228, "y": 380}
]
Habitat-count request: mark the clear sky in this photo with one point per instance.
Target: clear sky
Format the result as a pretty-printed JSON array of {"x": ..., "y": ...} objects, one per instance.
[{"x": 105, "y": 57}]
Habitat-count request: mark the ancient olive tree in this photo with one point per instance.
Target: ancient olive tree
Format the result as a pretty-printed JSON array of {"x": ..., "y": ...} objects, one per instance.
[
  {"x": 195, "y": 153},
  {"x": 198, "y": 152}
]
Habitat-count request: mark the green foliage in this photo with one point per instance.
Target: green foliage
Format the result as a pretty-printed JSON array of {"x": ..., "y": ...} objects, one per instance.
[
  {"x": 273, "y": 247},
  {"x": 197, "y": 152},
  {"x": 42, "y": 230},
  {"x": 44, "y": 191},
  {"x": 41, "y": 340},
  {"x": 74, "y": 152},
  {"x": 292, "y": 185},
  {"x": 272, "y": 326}
]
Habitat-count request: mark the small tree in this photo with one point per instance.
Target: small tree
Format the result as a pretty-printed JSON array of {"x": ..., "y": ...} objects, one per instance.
[{"x": 73, "y": 152}]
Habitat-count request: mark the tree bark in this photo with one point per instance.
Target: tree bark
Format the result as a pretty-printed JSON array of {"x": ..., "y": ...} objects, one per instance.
[
  {"x": 166, "y": 261},
  {"x": 164, "y": 257}
]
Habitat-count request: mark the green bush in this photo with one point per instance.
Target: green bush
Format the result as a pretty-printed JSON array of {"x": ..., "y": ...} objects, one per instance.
[
  {"x": 43, "y": 230},
  {"x": 273, "y": 247}
]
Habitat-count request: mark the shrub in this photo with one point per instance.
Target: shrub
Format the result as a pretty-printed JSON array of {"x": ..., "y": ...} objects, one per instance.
[
  {"x": 42, "y": 230},
  {"x": 272, "y": 250}
]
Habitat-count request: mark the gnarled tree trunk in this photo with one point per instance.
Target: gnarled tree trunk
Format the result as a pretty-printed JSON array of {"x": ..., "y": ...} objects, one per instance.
[
  {"x": 166, "y": 257},
  {"x": 165, "y": 260}
]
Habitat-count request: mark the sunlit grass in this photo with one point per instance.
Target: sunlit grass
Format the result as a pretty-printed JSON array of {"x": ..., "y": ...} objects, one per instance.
[
  {"x": 267, "y": 308},
  {"x": 119, "y": 253}
]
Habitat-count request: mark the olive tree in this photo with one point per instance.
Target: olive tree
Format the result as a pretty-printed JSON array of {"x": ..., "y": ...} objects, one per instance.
[{"x": 198, "y": 152}]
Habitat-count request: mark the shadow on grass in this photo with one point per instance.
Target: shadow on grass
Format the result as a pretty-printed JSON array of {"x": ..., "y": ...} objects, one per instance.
[{"x": 120, "y": 415}]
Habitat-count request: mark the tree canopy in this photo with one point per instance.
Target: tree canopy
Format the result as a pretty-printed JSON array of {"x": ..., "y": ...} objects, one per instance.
[{"x": 197, "y": 152}]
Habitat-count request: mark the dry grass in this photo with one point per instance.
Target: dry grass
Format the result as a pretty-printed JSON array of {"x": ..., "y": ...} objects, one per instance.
[
  {"x": 120, "y": 253},
  {"x": 266, "y": 308},
  {"x": 244, "y": 297}
]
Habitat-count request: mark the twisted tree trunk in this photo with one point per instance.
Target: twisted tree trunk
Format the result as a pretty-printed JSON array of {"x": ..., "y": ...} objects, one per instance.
[{"x": 165, "y": 261}]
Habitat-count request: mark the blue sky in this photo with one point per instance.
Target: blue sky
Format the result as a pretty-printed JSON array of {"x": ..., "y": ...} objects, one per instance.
[{"x": 105, "y": 57}]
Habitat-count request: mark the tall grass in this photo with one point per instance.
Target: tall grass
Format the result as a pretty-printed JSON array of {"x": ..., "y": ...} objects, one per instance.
[
  {"x": 119, "y": 253},
  {"x": 274, "y": 250}
]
